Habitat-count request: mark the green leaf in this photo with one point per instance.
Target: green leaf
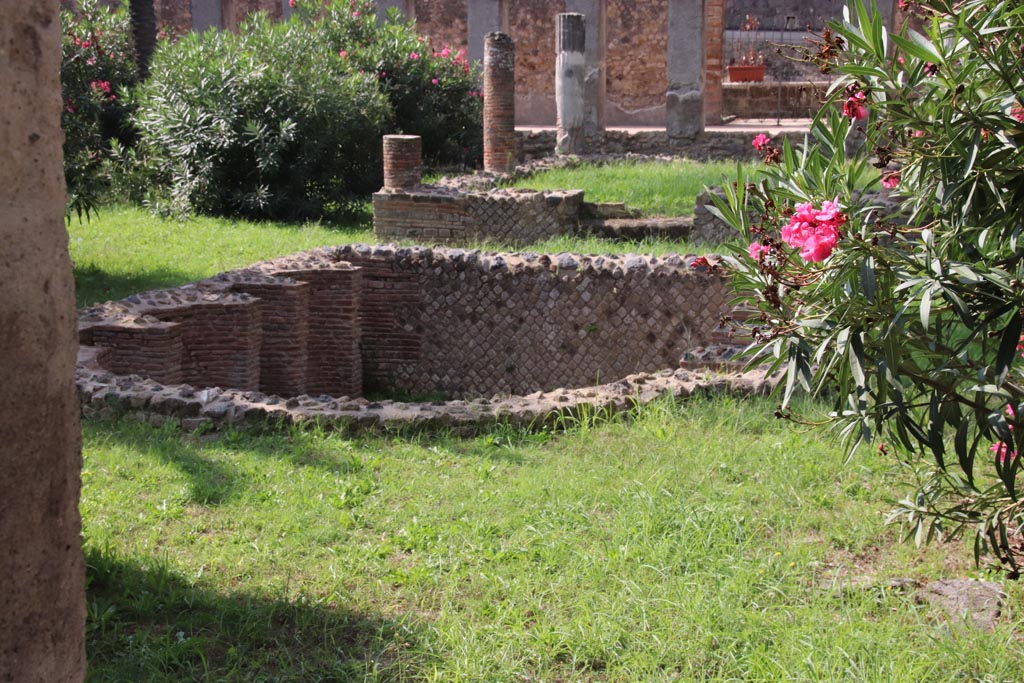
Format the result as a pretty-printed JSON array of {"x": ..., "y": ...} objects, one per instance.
[{"x": 1007, "y": 348}]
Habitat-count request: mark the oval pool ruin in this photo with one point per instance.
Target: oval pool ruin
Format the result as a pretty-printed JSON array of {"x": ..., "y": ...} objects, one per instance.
[{"x": 506, "y": 336}]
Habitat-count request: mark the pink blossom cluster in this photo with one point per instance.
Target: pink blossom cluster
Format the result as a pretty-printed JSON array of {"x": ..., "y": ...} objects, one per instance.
[
  {"x": 855, "y": 106},
  {"x": 814, "y": 231},
  {"x": 890, "y": 180},
  {"x": 1001, "y": 449},
  {"x": 761, "y": 141}
]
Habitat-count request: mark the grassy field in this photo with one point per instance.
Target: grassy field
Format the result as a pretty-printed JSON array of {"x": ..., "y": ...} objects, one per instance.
[
  {"x": 656, "y": 188},
  {"x": 656, "y": 550},
  {"x": 125, "y": 250},
  {"x": 705, "y": 541}
]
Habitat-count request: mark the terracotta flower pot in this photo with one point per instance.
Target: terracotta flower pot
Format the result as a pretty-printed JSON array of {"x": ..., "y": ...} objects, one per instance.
[{"x": 745, "y": 73}]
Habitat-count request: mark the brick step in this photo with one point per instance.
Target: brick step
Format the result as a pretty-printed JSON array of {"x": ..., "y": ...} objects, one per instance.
[
  {"x": 605, "y": 210},
  {"x": 638, "y": 228}
]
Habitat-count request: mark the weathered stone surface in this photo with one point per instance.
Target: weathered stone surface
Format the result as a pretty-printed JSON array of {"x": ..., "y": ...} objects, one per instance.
[
  {"x": 966, "y": 601},
  {"x": 460, "y": 322},
  {"x": 42, "y": 599},
  {"x": 570, "y": 75}
]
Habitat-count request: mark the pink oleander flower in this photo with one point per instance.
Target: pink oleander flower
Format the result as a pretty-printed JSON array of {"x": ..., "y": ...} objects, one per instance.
[
  {"x": 445, "y": 51},
  {"x": 918, "y": 133},
  {"x": 854, "y": 107},
  {"x": 1017, "y": 112},
  {"x": 1003, "y": 451},
  {"x": 434, "y": 81},
  {"x": 102, "y": 86},
  {"x": 756, "y": 249},
  {"x": 761, "y": 141},
  {"x": 343, "y": 54},
  {"x": 291, "y": 3},
  {"x": 890, "y": 180},
  {"x": 414, "y": 55},
  {"x": 814, "y": 231}
]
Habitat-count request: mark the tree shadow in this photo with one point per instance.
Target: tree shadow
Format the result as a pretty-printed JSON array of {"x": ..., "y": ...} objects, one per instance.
[
  {"x": 146, "y": 622},
  {"x": 210, "y": 481},
  {"x": 93, "y": 284}
]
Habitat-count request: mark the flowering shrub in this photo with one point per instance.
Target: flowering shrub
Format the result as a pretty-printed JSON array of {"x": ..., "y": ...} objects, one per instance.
[
  {"x": 96, "y": 70},
  {"x": 433, "y": 90},
  {"x": 284, "y": 119},
  {"x": 911, "y": 319}
]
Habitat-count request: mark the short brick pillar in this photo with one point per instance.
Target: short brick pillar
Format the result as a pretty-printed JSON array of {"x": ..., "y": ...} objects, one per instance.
[
  {"x": 403, "y": 162},
  {"x": 499, "y": 103}
]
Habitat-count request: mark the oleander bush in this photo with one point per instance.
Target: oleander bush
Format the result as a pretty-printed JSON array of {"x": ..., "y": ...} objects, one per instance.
[
  {"x": 97, "y": 70},
  {"x": 284, "y": 120},
  {"x": 912, "y": 317}
]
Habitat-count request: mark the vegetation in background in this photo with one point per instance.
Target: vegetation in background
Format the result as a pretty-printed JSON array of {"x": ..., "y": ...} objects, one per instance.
[
  {"x": 97, "y": 72},
  {"x": 912, "y": 320},
  {"x": 283, "y": 120}
]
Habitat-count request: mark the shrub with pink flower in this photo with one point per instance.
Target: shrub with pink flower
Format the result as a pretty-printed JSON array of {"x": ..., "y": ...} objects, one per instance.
[
  {"x": 96, "y": 63},
  {"x": 761, "y": 141},
  {"x": 855, "y": 106},
  {"x": 814, "y": 231}
]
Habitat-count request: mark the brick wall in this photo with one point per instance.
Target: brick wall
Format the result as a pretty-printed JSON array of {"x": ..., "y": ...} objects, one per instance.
[
  {"x": 636, "y": 55},
  {"x": 506, "y": 216},
  {"x": 443, "y": 21},
  {"x": 464, "y": 323}
]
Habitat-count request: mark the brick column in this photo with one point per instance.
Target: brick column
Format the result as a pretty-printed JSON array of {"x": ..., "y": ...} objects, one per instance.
[
  {"x": 594, "y": 81},
  {"x": 499, "y": 103},
  {"x": 684, "y": 101},
  {"x": 482, "y": 17},
  {"x": 714, "y": 40},
  {"x": 570, "y": 64},
  {"x": 403, "y": 165}
]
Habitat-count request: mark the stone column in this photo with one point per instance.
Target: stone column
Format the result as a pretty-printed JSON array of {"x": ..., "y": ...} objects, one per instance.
[
  {"x": 403, "y": 162},
  {"x": 684, "y": 101},
  {"x": 206, "y": 14},
  {"x": 499, "y": 103},
  {"x": 42, "y": 571},
  {"x": 714, "y": 67},
  {"x": 594, "y": 83},
  {"x": 384, "y": 5},
  {"x": 570, "y": 65},
  {"x": 482, "y": 17}
]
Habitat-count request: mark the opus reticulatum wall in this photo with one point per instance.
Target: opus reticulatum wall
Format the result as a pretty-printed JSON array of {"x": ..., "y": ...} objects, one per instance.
[{"x": 317, "y": 328}]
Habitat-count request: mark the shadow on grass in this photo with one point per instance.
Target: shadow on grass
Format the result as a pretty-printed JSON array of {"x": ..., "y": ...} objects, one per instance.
[
  {"x": 146, "y": 622},
  {"x": 93, "y": 284}
]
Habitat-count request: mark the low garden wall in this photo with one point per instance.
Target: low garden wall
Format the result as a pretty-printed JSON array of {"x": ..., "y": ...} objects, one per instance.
[
  {"x": 509, "y": 216},
  {"x": 315, "y": 329}
]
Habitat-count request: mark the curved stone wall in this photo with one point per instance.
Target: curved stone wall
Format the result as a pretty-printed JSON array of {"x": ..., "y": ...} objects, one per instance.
[{"x": 461, "y": 323}]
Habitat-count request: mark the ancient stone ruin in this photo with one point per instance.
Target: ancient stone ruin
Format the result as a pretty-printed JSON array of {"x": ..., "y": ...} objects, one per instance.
[{"x": 306, "y": 335}]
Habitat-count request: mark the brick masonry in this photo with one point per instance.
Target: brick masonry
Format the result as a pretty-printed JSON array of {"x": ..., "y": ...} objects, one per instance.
[
  {"x": 460, "y": 322},
  {"x": 436, "y": 215}
]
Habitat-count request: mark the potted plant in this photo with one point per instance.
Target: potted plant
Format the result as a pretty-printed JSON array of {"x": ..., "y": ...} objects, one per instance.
[{"x": 747, "y": 63}]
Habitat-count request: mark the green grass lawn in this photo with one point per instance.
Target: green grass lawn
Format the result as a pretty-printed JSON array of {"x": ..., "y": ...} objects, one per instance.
[
  {"x": 705, "y": 541},
  {"x": 656, "y": 188},
  {"x": 124, "y": 250}
]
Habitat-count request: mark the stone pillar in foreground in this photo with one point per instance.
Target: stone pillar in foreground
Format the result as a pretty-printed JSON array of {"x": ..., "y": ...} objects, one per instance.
[
  {"x": 499, "y": 103},
  {"x": 594, "y": 82},
  {"x": 42, "y": 571},
  {"x": 403, "y": 162},
  {"x": 684, "y": 101},
  {"x": 482, "y": 17},
  {"x": 570, "y": 68}
]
